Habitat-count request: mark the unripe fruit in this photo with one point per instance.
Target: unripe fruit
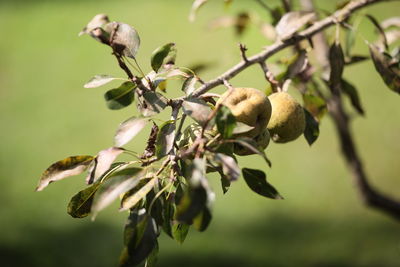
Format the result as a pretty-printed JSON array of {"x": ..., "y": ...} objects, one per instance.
[
  {"x": 287, "y": 120},
  {"x": 249, "y": 106},
  {"x": 262, "y": 141}
]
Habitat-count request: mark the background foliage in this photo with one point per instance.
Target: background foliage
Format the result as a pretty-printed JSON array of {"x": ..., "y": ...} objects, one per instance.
[{"x": 46, "y": 114}]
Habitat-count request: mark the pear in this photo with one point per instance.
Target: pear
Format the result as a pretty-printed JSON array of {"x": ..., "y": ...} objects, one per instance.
[
  {"x": 262, "y": 141},
  {"x": 249, "y": 106},
  {"x": 287, "y": 120}
]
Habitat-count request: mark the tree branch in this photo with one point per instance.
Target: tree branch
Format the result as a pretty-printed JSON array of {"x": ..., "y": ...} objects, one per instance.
[{"x": 319, "y": 26}]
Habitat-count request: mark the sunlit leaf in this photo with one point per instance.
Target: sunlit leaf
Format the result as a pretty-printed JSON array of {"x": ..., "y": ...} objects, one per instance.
[
  {"x": 81, "y": 204},
  {"x": 291, "y": 22},
  {"x": 165, "y": 54},
  {"x": 230, "y": 167},
  {"x": 225, "y": 121},
  {"x": 120, "y": 97},
  {"x": 118, "y": 183},
  {"x": 165, "y": 139},
  {"x": 389, "y": 74},
  {"x": 124, "y": 38},
  {"x": 189, "y": 85},
  {"x": 64, "y": 168},
  {"x": 311, "y": 131},
  {"x": 197, "y": 109},
  {"x": 151, "y": 103},
  {"x": 97, "y": 21},
  {"x": 195, "y": 7},
  {"x": 133, "y": 199},
  {"x": 257, "y": 181},
  {"x": 140, "y": 238},
  {"x": 391, "y": 22},
  {"x": 103, "y": 161},
  {"x": 129, "y": 129},
  {"x": 352, "y": 93},
  {"x": 99, "y": 80}
]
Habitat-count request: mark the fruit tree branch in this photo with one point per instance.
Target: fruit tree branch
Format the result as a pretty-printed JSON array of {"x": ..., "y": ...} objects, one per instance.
[
  {"x": 279, "y": 45},
  {"x": 369, "y": 195}
]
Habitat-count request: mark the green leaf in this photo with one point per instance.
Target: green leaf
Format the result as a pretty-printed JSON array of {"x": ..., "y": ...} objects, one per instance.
[
  {"x": 165, "y": 139},
  {"x": 163, "y": 55},
  {"x": 336, "y": 60},
  {"x": 120, "y": 97},
  {"x": 151, "y": 103},
  {"x": 180, "y": 231},
  {"x": 389, "y": 73},
  {"x": 81, "y": 204},
  {"x": 140, "y": 238},
  {"x": 257, "y": 181},
  {"x": 133, "y": 199},
  {"x": 311, "y": 131},
  {"x": 380, "y": 30},
  {"x": 99, "y": 80},
  {"x": 314, "y": 104},
  {"x": 352, "y": 93},
  {"x": 202, "y": 221},
  {"x": 64, "y": 168},
  {"x": 225, "y": 121},
  {"x": 124, "y": 38},
  {"x": 152, "y": 259},
  {"x": 197, "y": 109},
  {"x": 118, "y": 183},
  {"x": 129, "y": 129}
]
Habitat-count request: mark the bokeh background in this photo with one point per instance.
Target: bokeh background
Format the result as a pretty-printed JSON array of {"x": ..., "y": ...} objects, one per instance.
[{"x": 46, "y": 115}]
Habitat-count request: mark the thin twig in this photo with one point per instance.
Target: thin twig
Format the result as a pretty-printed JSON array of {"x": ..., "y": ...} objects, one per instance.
[
  {"x": 243, "y": 50},
  {"x": 270, "y": 77}
]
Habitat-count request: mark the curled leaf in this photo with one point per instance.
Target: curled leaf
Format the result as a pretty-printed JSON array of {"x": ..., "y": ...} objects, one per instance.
[
  {"x": 97, "y": 21},
  {"x": 291, "y": 22},
  {"x": 195, "y": 7},
  {"x": 99, "y": 80},
  {"x": 124, "y": 39},
  {"x": 164, "y": 55},
  {"x": 64, "y": 168}
]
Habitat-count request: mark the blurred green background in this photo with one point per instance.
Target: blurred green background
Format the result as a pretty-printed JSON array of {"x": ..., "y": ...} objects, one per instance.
[{"x": 46, "y": 115}]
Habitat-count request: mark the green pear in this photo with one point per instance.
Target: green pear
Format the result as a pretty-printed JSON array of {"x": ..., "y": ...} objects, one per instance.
[
  {"x": 287, "y": 120},
  {"x": 249, "y": 106},
  {"x": 262, "y": 141}
]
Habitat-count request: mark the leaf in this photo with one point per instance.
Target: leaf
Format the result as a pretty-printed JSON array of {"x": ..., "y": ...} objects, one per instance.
[
  {"x": 81, "y": 204},
  {"x": 380, "y": 30},
  {"x": 314, "y": 104},
  {"x": 297, "y": 66},
  {"x": 195, "y": 7},
  {"x": 152, "y": 259},
  {"x": 163, "y": 55},
  {"x": 195, "y": 197},
  {"x": 311, "y": 131},
  {"x": 352, "y": 93},
  {"x": 103, "y": 161},
  {"x": 242, "y": 128},
  {"x": 64, "y": 168},
  {"x": 120, "y": 97},
  {"x": 150, "y": 149},
  {"x": 165, "y": 139},
  {"x": 140, "y": 238},
  {"x": 202, "y": 221},
  {"x": 230, "y": 167},
  {"x": 391, "y": 22},
  {"x": 129, "y": 129},
  {"x": 151, "y": 103},
  {"x": 124, "y": 38},
  {"x": 336, "y": 60},
  {"x": 291, "y": 22},
  {"x": 355, "y": 59},
  {"x": 257, "y": 182},
  {"x": 188, "y": 85},
  {"x": 180, "y": 231},
  {"x": 118, "y": 183},
  {"x": 389, "y": 74},
  {"x": 99, "y": 80},
  {"x": 97, "y": 21},
  {"x": 132, "y": 200},
  {"x": 252, "y": 145},
  {"x": 197, "y": 109},
  {"x": 226, "y": 122}
]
